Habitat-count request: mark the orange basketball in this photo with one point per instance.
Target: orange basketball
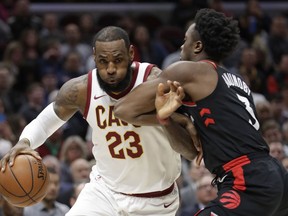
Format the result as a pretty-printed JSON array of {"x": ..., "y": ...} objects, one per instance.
[{"x": 26, "y": 182}]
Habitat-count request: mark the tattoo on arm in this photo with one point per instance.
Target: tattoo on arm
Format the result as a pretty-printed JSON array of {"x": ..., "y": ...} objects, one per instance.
[
  {"x": 155, "y": 72},
  {"x": 71, "y": 97}
]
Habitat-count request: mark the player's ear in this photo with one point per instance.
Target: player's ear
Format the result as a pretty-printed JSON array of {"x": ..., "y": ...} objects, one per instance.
[
  {"x": 94, "y": 53},
  {"x": 131, "y": 52},
  {"x": 198, "y": 47}
]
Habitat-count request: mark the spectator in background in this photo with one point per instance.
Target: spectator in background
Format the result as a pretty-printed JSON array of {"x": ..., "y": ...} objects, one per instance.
[
  {"x": 87, "y": 28},
  {"x": 175, "y": 56},
  {"x": 50, "y": 28},
  {"x": 49, "y": 205},
  {"x": 278, "y": 80},
  {"x": 52, "y": 162},
  {"x": 253, "y": 21},
  {"x": 277, "y": 107},
  {"x": 22, "y": 19},
  {"x": 29, "y": 72},
  {"x": 188, "y": 193},
  {"x": 17, "y": 124},
  {"x": 234, "y": 59},
  {"x": 7, "y": 137},
  {"x": 185, "y": 10},
  {"x": 277, "y": 150},
  {"x": 255, "y": 76},
  {"x": 8, "y": 209},
  {"x": 72, "y": 42},
  {"x": 73, "y": 148},
  {"x": 5, "y": 132},
  {"x": 80, "y": 170},
  {"x": 285, "y": 162},
  {"x": 146, "y": 48},
  {"x": 278, "y": 38},
  {"x": 205, "y": 192},
  {"x": 51, "y": 59},
  {"x": 35, "y": 102},
  {"x": 5, "y": 36},
  {"x": 127, "y": 22},
  {"x": 50, "y": 83},
  {"x": 72, "y": 66},
  {"x": 217, "y": 5},
  {"x": 271, "y": 131},
  {"x": 284, "y": 129},
  {"x": 13, "y": 56},
  {"x": 76, "y": 191},
  {"x": 264, "y": 111},
  {"x": 10, "y": 98},
  {"x": 284, "y": 93}
]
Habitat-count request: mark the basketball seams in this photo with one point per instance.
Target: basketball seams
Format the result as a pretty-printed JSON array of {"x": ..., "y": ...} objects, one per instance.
[
  {"x": 43, "y": 183},
  {"x": 16, "y": 179},
  {"x": 33, "y": 198},
  {"x": 34, "y": 191}
]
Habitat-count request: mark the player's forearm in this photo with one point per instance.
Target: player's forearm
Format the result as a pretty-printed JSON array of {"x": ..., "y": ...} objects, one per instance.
[
  {"x": 138, "y": 106},
  {"x": 180, "y": 140},
  {"x": 38, "y": 130}
]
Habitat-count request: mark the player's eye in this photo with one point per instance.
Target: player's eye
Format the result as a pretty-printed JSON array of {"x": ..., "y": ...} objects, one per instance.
[
  {"x": 102, "y": 61},
  {"x": 117, "y": 61}
]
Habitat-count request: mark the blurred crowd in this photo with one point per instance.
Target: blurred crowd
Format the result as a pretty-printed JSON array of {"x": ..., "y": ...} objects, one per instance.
[{"x": 39, "y": 53}]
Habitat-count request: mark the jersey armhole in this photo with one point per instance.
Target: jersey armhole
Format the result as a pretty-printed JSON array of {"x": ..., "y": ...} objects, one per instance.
[{"x": 88, "y": 96}]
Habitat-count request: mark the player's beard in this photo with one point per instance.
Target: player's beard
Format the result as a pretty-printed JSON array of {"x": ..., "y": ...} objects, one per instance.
[{"x": 121, "y": 86}]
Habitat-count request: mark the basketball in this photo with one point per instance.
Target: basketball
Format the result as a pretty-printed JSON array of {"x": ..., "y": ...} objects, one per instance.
[{"x": 26, "y": 182}]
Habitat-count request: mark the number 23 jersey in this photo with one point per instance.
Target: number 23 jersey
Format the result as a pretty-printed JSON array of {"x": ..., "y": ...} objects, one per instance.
[{"x": 129, "y": 158}]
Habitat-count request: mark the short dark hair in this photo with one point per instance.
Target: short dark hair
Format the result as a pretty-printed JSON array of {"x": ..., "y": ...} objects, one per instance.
[
  {"x": 218, "y": 33},
  {"x": 112, "y": 33}
]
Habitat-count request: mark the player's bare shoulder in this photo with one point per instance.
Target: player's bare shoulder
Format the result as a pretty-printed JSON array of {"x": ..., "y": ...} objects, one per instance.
[{"x": 73, "y": 93}]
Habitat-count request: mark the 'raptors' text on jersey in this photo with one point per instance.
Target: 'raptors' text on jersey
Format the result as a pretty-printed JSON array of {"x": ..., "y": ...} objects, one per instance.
[
  {"x": 130, "y": 158},
  {"x": 226, "y": 121}
]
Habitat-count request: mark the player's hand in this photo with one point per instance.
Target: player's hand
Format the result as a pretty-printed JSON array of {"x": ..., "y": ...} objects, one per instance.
[
  {"x": 167, "y": 103},
  {"x": 22, "y": 147},
  {"x": 188, "y": 124}
]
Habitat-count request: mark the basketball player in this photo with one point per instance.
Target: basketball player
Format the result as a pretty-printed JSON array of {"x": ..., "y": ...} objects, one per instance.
[
  {"x": 136, "y": 168},
  {"x": 250, "y": 182}
]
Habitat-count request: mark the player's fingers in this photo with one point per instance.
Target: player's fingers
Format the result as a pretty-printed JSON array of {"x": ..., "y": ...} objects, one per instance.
[
  {"x": 160, "y": 89},
  {"x": 199, "y": 158},
  {"x": 173, "y": 88},
  {"x": 12, "y": 157},
  {"x": 33, "y": 153},
  {"x": 3, "y": 163},
  {"x": 176, "y": 84},
  {"x": 180, "y": 92}
]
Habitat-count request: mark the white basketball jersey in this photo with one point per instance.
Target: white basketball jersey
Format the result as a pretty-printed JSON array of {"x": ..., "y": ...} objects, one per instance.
[{"x": 130, "y": 159}]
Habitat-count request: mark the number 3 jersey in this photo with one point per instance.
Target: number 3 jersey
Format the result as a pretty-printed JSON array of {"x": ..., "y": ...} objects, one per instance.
[
  {"x": 226, "y": 121},
  {"x": 129, "y": 158}
]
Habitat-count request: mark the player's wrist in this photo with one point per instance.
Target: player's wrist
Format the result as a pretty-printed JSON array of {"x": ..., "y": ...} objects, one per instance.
[
  {"x": 26, "y": 141},
  {"x": 163, "y": 121}
]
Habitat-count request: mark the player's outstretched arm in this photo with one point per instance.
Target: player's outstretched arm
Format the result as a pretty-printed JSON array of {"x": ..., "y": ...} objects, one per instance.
[
  {"x": 179, "y": 128},
  {"x": 70, "y": 98},
  {"x": 138, "y": 107}
]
